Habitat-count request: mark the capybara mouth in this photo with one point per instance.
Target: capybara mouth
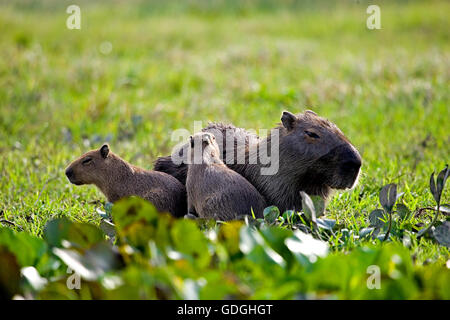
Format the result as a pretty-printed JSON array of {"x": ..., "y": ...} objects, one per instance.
[
  {"x": 347, "y": 182},
  {"x": 75, "y": 182}
]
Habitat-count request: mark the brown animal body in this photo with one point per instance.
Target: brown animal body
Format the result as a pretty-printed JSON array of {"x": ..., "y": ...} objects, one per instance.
[
  {"x": 118, "y": 179},
  {"x": 215, "y": 191},
  {"x": 314, "y": 157}
]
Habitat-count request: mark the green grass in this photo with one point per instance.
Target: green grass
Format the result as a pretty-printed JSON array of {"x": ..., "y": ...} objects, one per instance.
[{"x": 388, "y": 90}]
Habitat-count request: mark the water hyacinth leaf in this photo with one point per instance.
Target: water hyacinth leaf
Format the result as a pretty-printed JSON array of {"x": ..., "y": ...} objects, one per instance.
[
  {"x": 422, "y": 232},
  {"x": 191, "y": 289},
  {"x": 77, "y": 233},
  {"x": 346, "y": 233},
  {"x": 133, "y": 209},
  {"x": 276, "y": 237},
  {"x": 228, "y": 235},
  {"x": 406, "y": 241},
  {"x": 27, "y": 248},
  {"x": 303, "y": 246},
  {"x": 433, "y": 188},
  {"x": 399, "y": 196},
  {"x": 290, "y": 215},
  {"x": 253, "y": 245},
  {"x": 101, "y": 213},
  {"x": 388, "y": 196},
  {"x": 376, "y": 218},
  {"x": 445, "y": 209},
  {"x": 108, "y": 228},
  {"x": 9, "y": 274},
  {"x": 327, "y": 224},
  {"x": 440, "y": 182},
  {"x": 319, "y": 205},
  {"x": 217, "y": 286},
  {"x": 92, "y": 263},
  {"x": 365, "y": 232},
  {"x": 247, "y": 239},
  {"x": 442, "y": 234},
  {"x": 108, "y": 208},
  {"x": 189, "y": 240},
  {"x": 31, "y": 275},
  {"x": 381, "y": 236},
  {"x": 308, "y": 207},
  {"x": 271, "y": 214},
  {"x": 403, "y": 211}
]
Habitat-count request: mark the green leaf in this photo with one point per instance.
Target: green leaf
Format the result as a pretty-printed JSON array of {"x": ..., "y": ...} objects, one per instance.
[
  {"x": 303, "y": 246},
  {"x": 308, "y": 207},
  {"x": 275, "y": 237},
  {"x": 101, "y": 213},
  {"x": 92, "y": 263},
  {"x": 188, "y": 239},
  {"x": 133, "y": 209},
  {"x": 9, "y": 274},
  {"x": 78, "y": 234},
  {"x": 253, "y": 245},
  {"x": 365, "y": 232},
  {"x": 388, "y": 196},
  {"x": 108, "y": 228},
  {"x": 403, "y": 211},
  {"x": 327, "y": 224},
  {"x": 31, "y": 275},
  {"x": 291, "y": 216},
  {"x": 376, "y": 218},
  {"x": 27, "y": 248},
  {"x": 433, "y": 188},
  {"x": 442, "y": 234},
  {"x": 422, "y": 231},
  {"x": 444, "y": 208},
  {"x": 108, "y": 208},
  {"x": 440, "y": 183},
  {"x": 319, "y": 205},
  {"x": 271, "y": 214},
  {"x": 228, "y": 236}
]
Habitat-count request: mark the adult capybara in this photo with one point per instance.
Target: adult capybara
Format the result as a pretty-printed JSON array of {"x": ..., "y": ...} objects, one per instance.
[
  {"x": 118, "y": 179},
  {"x": 313, "y": 156},
  {"x": 214, "y": 190}
]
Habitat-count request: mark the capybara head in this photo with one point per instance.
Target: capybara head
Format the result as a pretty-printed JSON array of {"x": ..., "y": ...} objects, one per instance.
[
  {"x": 93, "y": 167},
  {"x": 320, "y": 148},
  {"x": 204, "y": 148}
]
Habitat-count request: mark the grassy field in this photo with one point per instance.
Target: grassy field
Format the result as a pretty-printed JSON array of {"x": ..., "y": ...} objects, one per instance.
[{"x": 135, "y": 72}]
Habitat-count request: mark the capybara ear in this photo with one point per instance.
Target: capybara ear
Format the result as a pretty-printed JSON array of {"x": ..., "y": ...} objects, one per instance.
[
  {"x": 104, "y": 150},
  {"x": 192, "y": 141},
  {"x": 311, "y": 112},
  {"x": 288, "y": 119}
]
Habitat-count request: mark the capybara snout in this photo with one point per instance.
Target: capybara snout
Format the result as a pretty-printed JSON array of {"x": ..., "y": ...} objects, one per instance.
[
  {"x": 69, "y": 173},
  {"x": 340, "y": 166}
]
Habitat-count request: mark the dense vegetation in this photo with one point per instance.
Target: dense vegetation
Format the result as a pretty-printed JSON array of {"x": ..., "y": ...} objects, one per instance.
[{"x": 137, "y": 71}]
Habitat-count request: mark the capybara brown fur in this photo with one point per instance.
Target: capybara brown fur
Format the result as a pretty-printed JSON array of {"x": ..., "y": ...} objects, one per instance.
[
  {"x": 314, "y": 156},
  {"x": 118, "y": 179},
  {"x": 215, "y": 191}
]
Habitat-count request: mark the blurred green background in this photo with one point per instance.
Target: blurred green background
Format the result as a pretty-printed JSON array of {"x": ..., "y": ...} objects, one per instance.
[{"x": 137, "y": 70}]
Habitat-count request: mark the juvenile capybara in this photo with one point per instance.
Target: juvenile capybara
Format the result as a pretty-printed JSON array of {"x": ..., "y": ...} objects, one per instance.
[
  {"x": 214, "y": 190},
  {"x": 118, "y": 179},
  {"x": 314, "y": 156}
]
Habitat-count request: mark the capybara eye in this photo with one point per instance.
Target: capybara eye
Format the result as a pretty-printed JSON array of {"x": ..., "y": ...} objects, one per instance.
[
  {"x": 312, "y": 134},
  {"x": 86, "y": 161}
]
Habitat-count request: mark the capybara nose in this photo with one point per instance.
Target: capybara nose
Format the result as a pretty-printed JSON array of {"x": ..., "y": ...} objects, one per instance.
[
  {"x": 351, "y": 165},
  {"x": 69, "y": 173},
  {"x": 351, "y": 160}
]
